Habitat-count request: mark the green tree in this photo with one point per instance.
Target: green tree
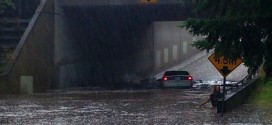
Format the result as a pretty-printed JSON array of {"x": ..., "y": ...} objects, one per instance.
[
  {"x": 4, "y": 4},
  {"x": 235, "y": 28}
]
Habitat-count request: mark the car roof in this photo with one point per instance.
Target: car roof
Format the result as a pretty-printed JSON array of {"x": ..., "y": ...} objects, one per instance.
[{"x": 172, "y": 73}]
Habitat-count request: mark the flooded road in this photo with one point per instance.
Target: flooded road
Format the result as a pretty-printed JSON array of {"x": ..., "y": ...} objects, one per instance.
[{"x": 122, "y": 107}]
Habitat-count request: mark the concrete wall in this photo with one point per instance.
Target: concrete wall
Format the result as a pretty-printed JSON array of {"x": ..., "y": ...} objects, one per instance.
[
  {"x": 145, "y": 54},
  {"x": 34, "y": 56},
  {"x": 66, "y": 53},
  {"x": 172, "y": 45}
]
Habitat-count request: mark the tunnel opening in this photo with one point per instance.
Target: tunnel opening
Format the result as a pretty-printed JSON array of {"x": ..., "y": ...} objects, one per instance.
[{"x": 109, "y": 45}]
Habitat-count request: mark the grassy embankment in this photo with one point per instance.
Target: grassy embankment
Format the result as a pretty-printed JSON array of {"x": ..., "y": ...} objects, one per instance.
[{"x": 262, "y": 96}]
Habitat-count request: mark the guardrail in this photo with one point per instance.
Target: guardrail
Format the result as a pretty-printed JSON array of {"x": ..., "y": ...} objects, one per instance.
[
  {"x": 234, "y": 87},
  {"x": 236, "y": 94}
]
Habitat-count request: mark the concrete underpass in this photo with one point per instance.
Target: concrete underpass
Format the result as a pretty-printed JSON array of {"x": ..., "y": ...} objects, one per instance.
[
  {"x": 88, "y": 43},
  {"x": 75, "y": 46},
  {"x": 101, "y": 44}
]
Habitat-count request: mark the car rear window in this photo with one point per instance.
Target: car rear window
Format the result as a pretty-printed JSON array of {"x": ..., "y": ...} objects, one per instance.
[{"x": 172, "y": 73}]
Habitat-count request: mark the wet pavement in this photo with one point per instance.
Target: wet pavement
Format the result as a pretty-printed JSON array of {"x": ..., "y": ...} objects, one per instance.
[{"x": 122, "y": 107}]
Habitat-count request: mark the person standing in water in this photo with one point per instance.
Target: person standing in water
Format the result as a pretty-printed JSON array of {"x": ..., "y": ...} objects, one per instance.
[{"x": 214, "y": 97}]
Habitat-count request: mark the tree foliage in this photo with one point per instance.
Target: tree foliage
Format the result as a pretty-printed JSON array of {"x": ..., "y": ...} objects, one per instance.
[
  {"x": 4, "y": 4},
  {"x": 235, "y": 28}
]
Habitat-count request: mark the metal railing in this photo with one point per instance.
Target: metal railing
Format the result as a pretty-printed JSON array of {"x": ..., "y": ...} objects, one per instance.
[{"x": 236, "y": 86}]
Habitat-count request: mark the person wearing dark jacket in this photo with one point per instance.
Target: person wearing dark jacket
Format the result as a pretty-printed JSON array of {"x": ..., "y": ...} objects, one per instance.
[{"x": 216, "y": 94}]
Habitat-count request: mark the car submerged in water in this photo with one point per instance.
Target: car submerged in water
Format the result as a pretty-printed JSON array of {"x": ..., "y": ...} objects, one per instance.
[{"x": 172, "y": 79}]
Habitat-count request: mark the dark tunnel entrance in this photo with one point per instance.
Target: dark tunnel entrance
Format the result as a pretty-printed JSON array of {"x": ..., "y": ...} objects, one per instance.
[{"x": 109, "y": 44}]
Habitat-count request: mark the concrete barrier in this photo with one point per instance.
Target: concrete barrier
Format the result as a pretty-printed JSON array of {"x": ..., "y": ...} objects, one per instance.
[
  {"x": 237, "y": 98},
  {"x": 34, "y": 55}
]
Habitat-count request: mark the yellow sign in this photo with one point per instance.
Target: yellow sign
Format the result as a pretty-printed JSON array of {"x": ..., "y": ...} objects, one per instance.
[
  {"x": 224, "y": 66},
  {"x": 148, "y": 1}
]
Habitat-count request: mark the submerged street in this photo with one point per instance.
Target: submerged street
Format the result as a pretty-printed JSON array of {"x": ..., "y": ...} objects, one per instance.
[
  {"x": 154, "y": 106},
  {"x": 109, "y": 62}
]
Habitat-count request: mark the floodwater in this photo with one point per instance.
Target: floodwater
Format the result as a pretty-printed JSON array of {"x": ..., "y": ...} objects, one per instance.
[{"x": 123, "y": 107}]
